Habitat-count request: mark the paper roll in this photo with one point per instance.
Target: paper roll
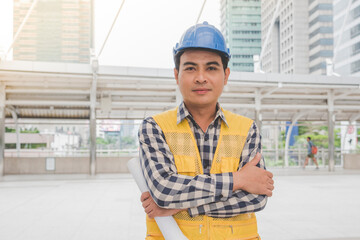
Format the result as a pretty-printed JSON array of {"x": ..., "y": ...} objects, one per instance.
[{"x": 167, "y": 225}]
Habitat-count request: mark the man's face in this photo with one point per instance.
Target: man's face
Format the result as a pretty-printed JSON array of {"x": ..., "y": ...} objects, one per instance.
[{"x": 201, "y": 78}]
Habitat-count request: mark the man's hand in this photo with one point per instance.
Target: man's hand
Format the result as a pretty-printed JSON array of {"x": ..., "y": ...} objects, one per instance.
[
  {"x": 152, "y": 209},
  {"x": 253, "y": 179}
]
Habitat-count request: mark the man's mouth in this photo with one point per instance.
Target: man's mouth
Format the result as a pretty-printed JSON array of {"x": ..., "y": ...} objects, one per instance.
[{"x": 201, "y": 90}]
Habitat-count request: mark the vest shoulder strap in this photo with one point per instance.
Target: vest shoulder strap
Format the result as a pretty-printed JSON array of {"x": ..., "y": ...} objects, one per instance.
[
  {"x": 167, "y": 120},
  {"x": 236, "y": 123}
]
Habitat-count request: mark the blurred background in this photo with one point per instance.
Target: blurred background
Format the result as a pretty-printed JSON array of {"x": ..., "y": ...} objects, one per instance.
[{"x": 78, "y": 76}]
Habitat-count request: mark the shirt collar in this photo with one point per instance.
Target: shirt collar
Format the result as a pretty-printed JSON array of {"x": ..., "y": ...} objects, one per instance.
[{"x": 183, "y": 113}]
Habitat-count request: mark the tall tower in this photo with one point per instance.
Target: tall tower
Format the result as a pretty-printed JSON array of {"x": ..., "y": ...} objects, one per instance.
[
  {"x": 56, "y": 31},
  {"x": 347, "y": 47},
  {"x": 320, "y": 35},
  {"x": 241, "y": 26},
  {"x": 287, "y": 50},
  {"x": 271, "y": 52}
]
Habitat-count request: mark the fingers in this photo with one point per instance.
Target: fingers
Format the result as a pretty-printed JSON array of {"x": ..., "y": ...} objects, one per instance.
[
  {"x": 269, "y": 174},
  {"x": 256, "y": 159},
  {"x": 270, "y": 187},
  {"x": 144, "y": 196},
  {"x": 145, "y": 199},
  {"x": 146, "y": 203},
  {"x": 269, "y": 193},
  {"x": 148, "y": 210}
]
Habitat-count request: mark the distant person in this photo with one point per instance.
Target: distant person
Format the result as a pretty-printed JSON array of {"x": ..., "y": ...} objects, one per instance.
[
  {"x": 203, "y": 164},
  {"x": 310, "y": 154}
]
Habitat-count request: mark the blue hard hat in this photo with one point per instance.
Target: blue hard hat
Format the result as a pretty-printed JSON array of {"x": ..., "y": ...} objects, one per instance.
[{"x": 204, "y": 36}]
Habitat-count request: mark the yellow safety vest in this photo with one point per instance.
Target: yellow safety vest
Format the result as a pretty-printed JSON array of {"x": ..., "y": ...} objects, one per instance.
[{"x": 183, "y": 145}]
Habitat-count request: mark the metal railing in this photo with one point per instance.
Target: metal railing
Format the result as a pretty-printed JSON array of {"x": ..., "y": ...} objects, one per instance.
[
  {"x": 296, "y": 157},
  {"x": 273, "y": 157},
  {"x": 33, "y": 153}
]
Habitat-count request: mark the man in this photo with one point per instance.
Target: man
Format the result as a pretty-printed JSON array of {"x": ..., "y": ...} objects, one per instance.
[
  {"x": 203, "y": 164},
  {"x": 310, "y": 154}
]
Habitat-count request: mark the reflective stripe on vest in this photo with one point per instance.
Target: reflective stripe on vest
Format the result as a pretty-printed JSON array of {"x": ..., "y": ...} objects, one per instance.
[{"x": 183, "y": 145}]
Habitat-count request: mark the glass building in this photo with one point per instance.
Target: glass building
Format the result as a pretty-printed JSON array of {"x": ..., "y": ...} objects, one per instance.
[
  {"x": 241, "y": 26},
  {"x": 56, "y": 31},
  {"x": 347, "y": 37}
]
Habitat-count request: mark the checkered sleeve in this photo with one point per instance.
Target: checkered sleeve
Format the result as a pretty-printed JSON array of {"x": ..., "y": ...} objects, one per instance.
[
  {"x": 241, "y": 201},
  {"x": 168, "y": 188}
]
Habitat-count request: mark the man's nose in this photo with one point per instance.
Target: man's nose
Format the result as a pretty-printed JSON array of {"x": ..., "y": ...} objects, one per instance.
[{"x": 201, "y": 77}]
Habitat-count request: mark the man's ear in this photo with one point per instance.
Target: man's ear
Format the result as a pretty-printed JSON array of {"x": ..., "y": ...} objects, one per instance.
[
  {"x": 176, "y": 75},
  {"x": 227, "y": 74}
]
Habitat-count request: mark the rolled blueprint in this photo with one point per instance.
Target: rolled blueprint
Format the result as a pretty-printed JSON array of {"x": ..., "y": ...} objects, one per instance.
[{"x": 167, "y": 225}]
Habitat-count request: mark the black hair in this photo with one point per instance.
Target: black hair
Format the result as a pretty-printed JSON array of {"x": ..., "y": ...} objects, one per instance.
[
  {"x": 309, "y": 138},
  {"x": 224, "y": 58}
]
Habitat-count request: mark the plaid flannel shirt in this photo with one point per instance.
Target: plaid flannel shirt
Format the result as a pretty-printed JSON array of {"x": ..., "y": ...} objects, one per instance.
[{"x": 206, "y": 194}]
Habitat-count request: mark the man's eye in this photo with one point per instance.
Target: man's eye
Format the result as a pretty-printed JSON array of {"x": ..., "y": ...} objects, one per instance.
[
  {"x": 189, "y": 69},
  {"x": 212, "y": 68}
]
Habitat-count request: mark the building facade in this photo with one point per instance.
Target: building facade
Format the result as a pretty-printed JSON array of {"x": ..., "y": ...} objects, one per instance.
[
  {"x": 56, "y": 31},
  {"x": 289, "y": 54},
  {"x": 347, "y": 37},
  {"x": 300, "y": 40},
  {"x": 241, "y": 26},
  {"x": 321, "y": 44}
]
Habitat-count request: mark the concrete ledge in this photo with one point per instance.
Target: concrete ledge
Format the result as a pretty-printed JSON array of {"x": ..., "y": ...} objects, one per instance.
[
  {"x": 112, "y": 164},
  {"x": 352, "y": 161},
  {"x": 64, "y": 165}
]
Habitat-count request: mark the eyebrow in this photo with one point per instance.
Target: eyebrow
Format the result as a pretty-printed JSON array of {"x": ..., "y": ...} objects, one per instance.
[
  {"x": 213, "y": 63},
  {"x": 209, "y": 63}
]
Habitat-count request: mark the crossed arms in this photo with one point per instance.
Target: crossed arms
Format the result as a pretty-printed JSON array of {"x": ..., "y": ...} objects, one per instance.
[{"x": 215, "y": 195}]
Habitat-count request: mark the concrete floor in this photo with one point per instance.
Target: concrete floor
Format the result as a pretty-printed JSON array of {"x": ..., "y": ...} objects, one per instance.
[{"x": 306, "y": 204}]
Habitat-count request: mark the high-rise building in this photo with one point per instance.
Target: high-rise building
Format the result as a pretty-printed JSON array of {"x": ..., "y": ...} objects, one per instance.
[
  {"x": 301, "y": 36},
  {"x": 241, "y": 26},
  {"x": 56, "y": 30},
  {"x": 347, "y": 37},
  {"x": 271, "y": 52},
  {"x": 289, "y": 54},
  {"x": 320, "y": 35}
]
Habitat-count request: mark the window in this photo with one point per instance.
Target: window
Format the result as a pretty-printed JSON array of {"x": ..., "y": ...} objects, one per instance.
[
  {"x": 323, "y": 41},
  {"x": 355, "y": 49},
  {"x": 321, "y": 65},
  {"x": 322, "y": 53},
  {"x": 322, "y": 18},
  {"x": 355, "y": 67},
  {"x": 321, "y": 30},
  {"x": 355, "y": 31},
  {"x": 356, "y": 12},
  {"x": 321, "y": 6}
]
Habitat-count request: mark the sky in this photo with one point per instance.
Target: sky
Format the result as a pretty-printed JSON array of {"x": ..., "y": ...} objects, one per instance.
[{"x": 144, "y": 33}]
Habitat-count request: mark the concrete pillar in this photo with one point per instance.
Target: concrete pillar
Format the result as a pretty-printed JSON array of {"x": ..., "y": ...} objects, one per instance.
[
  {"x": 286, "y": 161},
  {"x": 2, "y": 128},
  {"x": 258, "y": 117},
  {"x": 92, "y": 142},
  {"x": 178, "y": 96},
  {"x": 276, "y": 137},
  {"x": 18, "y": 146},
  {"x": 331, "y": 125},
  {"x": 15, "y": 117},
  {"x": 93, "y": 98}
]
